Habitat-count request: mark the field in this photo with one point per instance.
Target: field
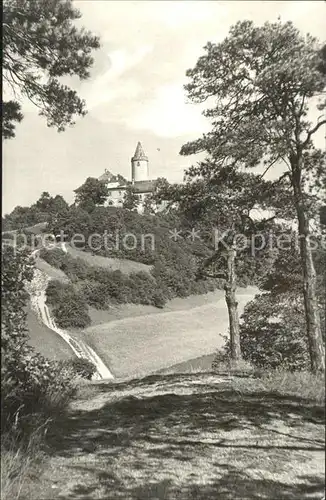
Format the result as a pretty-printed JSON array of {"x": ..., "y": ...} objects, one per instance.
[
  {"x": 124, "y": 265},
  {"x": 45, "y": 341},
  {"x": 185, "y": 437},
  {"x": 135, "y": 346},
  {"x": 51, "y": 271},
  {"x": 136, "y": 340}
]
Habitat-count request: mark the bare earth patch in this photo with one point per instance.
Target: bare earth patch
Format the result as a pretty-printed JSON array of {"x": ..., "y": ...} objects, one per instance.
[{"x": 185, "y": 437}]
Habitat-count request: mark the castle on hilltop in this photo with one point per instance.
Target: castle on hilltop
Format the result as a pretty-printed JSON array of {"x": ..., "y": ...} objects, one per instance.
[{"x": 140, "y": 181}]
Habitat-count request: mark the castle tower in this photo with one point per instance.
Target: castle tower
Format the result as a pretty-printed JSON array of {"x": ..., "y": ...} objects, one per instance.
[{"x": 139, "y": 165}]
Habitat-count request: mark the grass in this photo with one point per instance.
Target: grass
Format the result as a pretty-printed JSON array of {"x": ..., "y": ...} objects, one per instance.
[
  {"x": 187, "y": 437},
  {"x": 124, "y": 265},
  {"x": 45, "y": 341},
  {"x": 24, "y": 432},
  {"x": 16, "y": 466},
  {"x": 202, "y": 364},
  {"x": 136, "y": 346},
  {"x": 51, "y": 271},
  {"x": 305, "y": 384}
]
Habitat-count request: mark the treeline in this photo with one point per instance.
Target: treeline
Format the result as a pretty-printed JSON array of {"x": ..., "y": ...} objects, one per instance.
[{"x": 102, "y": 288}]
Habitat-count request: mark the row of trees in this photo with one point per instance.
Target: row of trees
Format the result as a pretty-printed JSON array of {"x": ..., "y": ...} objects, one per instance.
[
  {"x": 41, "y": 44},
  {"x": 260, "y": 84}
]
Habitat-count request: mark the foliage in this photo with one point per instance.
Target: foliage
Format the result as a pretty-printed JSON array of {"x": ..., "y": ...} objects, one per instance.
[
  {"x": 273, "y": 334},
  {"x": 82, "y": 367},
  {"x": 273, "y": 329},
  {"x": 46, "y": 209},
  {"x": 54, "y": 257},
  {"x": 33, "y": 389},
  {"x": 130, "y": 199},
  {"x": 93, "y": 192},
  {"x": 261, "y": 82},
  {"x": 220, "y": 206},
  {"x": 69, "y": 305},
  {"x": 175, "y": 263},
  {"x": 41, "y": 44},
  {"x": 10, "y": 114},
  {"x": 17, "y": 267},
  {"x": 50, "y": 204}
]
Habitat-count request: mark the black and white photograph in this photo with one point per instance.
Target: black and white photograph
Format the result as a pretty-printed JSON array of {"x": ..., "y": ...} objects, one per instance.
[{"x": 163, "y": 269}]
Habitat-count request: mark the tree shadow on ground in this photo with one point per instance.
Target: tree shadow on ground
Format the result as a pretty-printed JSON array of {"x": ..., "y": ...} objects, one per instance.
[
  {"x": 233, "y": 485},
  {"x": 220, "y": 433}
]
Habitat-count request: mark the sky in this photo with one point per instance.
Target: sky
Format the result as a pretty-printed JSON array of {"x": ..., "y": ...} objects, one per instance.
[{"x": 135, "y": 93}]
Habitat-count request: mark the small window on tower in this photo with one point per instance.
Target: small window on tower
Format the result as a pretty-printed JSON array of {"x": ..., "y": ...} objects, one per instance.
[{"x": 138, "y": 164}]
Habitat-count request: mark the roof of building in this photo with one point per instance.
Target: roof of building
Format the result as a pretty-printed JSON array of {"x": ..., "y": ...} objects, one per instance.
[
  {"x": 139, "y": 186},
  {"x": 139, "y": 153},
  {"x": 108, "y": 177},
  {"x": 144, "y": 186}
]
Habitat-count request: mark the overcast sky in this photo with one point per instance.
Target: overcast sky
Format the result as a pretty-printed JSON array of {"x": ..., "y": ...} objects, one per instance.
[{"x": 135, "y": 93}]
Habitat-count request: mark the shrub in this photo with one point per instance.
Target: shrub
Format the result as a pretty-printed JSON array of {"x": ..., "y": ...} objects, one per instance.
[
  {"x": 158, "y": 299},
  {"x": 272, "y": 334},
  {"x": 55, "y": 257},
  {"x": 82, "y": 367},
  {"x": 95, "y": 294},
  {"x": 75, "y": 268},
  {"x": 34, "y": 390},
  {"x": 69, "y": 305},
  {"x": 303, "y": 384}
]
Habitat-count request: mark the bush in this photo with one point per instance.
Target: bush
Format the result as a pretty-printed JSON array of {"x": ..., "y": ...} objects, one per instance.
[
  {"x": 69, "y": 305},
  {"x": 82, "y": 367},
  {"x": 222, "y": 363},
  {"x": 74, "y": 268},
  {"x": 95, "y": 294},
  {"x": 272, "y": 334},
  {"x": 174, "y": 263},
  {"x": 158, "y": 300},
  {"x": 55, "y": 257},
  {"x": 34, "y": 390}
]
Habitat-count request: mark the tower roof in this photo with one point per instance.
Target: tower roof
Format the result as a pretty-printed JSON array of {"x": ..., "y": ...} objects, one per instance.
[{"x": 139, "y": 153}]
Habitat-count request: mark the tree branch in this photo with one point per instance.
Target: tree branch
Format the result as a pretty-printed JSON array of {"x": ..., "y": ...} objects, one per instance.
[{"x": 312, "y": 131}]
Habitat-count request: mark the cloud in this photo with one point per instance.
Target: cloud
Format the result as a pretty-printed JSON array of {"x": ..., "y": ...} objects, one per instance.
[
  {"x": 168, "y": 115},
  {"x": 113, "y": 82}
]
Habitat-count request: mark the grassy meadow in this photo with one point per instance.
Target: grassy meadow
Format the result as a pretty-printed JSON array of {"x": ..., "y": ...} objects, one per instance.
[
  {"x": 126, "y": 266},
  {"x": 140, "y": 345}
]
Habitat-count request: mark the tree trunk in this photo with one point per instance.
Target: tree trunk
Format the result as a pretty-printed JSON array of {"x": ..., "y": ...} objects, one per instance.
[
  {"x": 232, "y": 305},
  {"x": 314, "y": 334}
]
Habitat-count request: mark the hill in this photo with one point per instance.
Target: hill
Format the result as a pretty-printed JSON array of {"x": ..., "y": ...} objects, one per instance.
[
  {"x": 183, "y": 437},
  {"x": 45, "y": 341},
  {"x": 126, "y": 266},
  {"x": 136, "y": 346}
]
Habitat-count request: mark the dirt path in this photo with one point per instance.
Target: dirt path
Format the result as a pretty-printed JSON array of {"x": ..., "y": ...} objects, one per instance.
[{"x": 185, "y": 437}]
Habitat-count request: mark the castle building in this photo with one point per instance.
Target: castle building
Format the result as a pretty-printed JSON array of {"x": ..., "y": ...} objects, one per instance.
[{"x": 140, "y": 181}]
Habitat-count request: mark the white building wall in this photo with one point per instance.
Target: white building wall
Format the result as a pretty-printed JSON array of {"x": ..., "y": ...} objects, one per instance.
[{"x": 139, "y": 170}]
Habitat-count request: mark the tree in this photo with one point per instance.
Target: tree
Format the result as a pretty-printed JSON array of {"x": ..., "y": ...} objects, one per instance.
[
  {"x": 221, "y": 208},
  {"x": 261, "y": 82},
  {"x": 130, "y": 199},
  {"x": 10, "y": 114},
  {"x": 44, "y": 202},
  {"x": 149, "y": 205},
  {"x": 41, "y": 44},
  {"x": 17, "y": 267},
  {"x": 90, "y": 194},
  {"x": 322, "y": 64},
  {"x": 272, "y": 332}
]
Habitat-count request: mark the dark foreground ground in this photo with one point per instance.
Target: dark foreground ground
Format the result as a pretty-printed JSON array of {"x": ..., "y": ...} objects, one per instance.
[{"x": 184, "y": 437}]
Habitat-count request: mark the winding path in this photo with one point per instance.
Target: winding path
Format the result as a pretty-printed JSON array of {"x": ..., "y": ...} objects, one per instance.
[{"x": 37, "y": 290}]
